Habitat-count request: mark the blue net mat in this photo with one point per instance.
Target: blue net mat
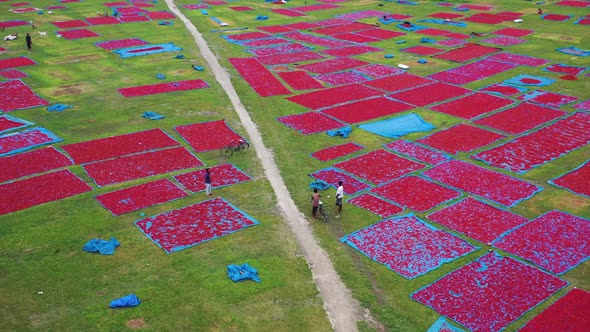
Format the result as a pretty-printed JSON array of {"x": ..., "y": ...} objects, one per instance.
[{"x": 398, "y": 126}]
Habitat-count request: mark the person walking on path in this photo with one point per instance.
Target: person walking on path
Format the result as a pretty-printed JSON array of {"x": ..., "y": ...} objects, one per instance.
[
  {"x": 339, "y": 196},
  {"x": 29, "y": 42},
  {"x": 315, "y": 202},
  {"x": 207, "y": 182}
]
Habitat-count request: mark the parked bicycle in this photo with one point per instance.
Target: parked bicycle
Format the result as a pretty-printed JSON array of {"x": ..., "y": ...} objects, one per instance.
[
  {"x": 323, "y": 212},
  {"x": 240, "y": 146}
]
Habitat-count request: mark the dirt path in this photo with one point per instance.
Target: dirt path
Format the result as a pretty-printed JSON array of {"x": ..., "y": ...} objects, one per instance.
[{"x": 343, "y": 310}]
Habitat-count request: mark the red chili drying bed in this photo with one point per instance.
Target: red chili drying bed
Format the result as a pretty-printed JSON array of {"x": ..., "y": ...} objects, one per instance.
[
  {"x": 555, "y": 241},
  {"x": 491, "y": 185},
  {"x": 12, "y": 74},
  {"x": 300, "y": 80},
  {"x": 258, "y": 77},
  {"x": 351, "y": 27},
  {"x": 23, "y": 194},
  {"x": 141, "y": 165},
  {"x": 121, "y": 43},
  {"x": 356, "y": 38},
  {"x": 9, "y": 123},
  {"x": 504, "y": 41},
  {"x": 332, "y": 176},
  {"x": 221, "y": 176},
  {"x": 116, "y": 146},
  {"x": 186, "y": 227},
  {"x": 333, "y": 96},
  {"x": 429, "y": 94},
  {"x": 408, "y": 245},
  {"x": 537, "y": 148},
  {"x": 265, "y": 42},
  {"x": 423, "y": 50},
  {"x": 472, "y": 106},
  {"x": 378, "y": 70},
  {"x": 278, "y": 49},
  {"x": 337, "y": 151},
  {"x": 77, "y": 34},
  {"x": 485, "y": 18},
  {"x": 416, "y": 193},
  {"x": 287, "y": 12},
  {"x": 206, "y": 136},
  {"x": 376, "y": 205},
  {"x": 399, "y": 82},
  {"x": 575, "y": 181},
  {"x": 16, "y": 62},
  {"x": 289, "y": 58},
  {"x": 465, "y": 294},
  {"x": 367, "y": 109},
  {"x": 332, "y": 65},
  {"x": 449, "y": 16},
  {"x": 380, "y": 34},
  {"x": 70, "y": 24},
  {"x": 146, "y": 90},
  {"x": 573, "y": 3},
  {"x": 33, "y": 162},
  {"x": 350, "y": 50},
  {"x": 163, "y": 15},
  {"x": 310, "y": 122},
  {"x": 241, "y": 8},
  {"x": 502, "y": 89},
  {"x": 569, "y": 313},
  {"x": 517, "y": 59},
  {"x": 315, "y": 40},
  {"x": 16, "y": 95},
  {"x": 103, "y": 20},
  {"x": 379, "y": 166},
  {"x": 341, "y": 78},
  {"x": 139, "y": 197},
  {"x": 420, "y": 153},
  {"x": 513, "y": 32},
  {"x": 521, "y": 118},
  {"x": 547, "y": 98},
  {"x": 467, "y": 52},
  {"x": 478, "y": 220}
]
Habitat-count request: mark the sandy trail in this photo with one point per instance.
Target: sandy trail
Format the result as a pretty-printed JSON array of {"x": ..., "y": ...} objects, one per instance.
[{"x": 342, "y": 309}]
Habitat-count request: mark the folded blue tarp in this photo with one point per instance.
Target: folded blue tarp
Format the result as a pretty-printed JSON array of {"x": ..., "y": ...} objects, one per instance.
[
  {"x": 130, "y": 300},
  {"x": 242, "y": 272},
  {"x": 319, "y": 184},
  {"x": 152, "y": 115},
  {"x": 344, "y": 132},
  {"x": 398, "y": 126},
  {"x": 104, "y": 247},
  {"x": 58, "y": 108}
]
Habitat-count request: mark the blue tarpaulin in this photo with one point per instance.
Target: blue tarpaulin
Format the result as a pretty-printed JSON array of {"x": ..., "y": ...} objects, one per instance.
[
  {"x": 572, "y": 50},
  {"x": 398, "y": 126},
  {"x": 130, "y": 300},
  {"x": 101, "y": 246},
  {"x": 58, "y": 108},
  {"x": 344, "y": 132},
  {"x": 242, "y": 272},
  {"x": 319, "y": 184},
  {"x": 152, "y": 115}
]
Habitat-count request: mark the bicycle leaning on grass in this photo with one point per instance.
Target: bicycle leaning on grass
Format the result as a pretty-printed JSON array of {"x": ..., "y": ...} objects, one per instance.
[
  {"x": 323, "y": 212},
  {"x": 240, "y": 146}
]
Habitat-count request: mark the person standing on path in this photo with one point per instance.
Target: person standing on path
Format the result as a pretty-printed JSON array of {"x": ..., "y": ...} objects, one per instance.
[
  {"x": 207, "y": 182},
  {"x": 315, "y": 202},
  {"x": 29, "y": 42},
  {"x": 339, "y": 196}
]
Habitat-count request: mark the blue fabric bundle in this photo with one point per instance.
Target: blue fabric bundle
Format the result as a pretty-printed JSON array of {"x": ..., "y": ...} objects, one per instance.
[
  {"x": 427, "y": 40},
  {"x": 242, "y": 272},
  {"x": 344, "y": 132},
  {"x": 58, "y": 108},
  {"x": 152, "y": 115},
  {"x": 422, "y": 61},
  {"x": 400, "y": 42},
  {"x": 388, "y": 56},
  {"x": 460, "y": 9},
  {"x": 130, "y": 300},
  {"x": 198, "y": 68},
  {"x": 160, "y": 76},
  {"x": 179, "y": 56},
  {"x": 319, "y": 184},
  {"x": 261, "y": 18},
  {"x": 101, "y": 246},
  {"x": 166, "y": 23}
]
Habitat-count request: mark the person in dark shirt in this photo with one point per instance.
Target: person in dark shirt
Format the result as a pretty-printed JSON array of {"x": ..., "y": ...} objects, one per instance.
[{"x": 207, "y": 182}]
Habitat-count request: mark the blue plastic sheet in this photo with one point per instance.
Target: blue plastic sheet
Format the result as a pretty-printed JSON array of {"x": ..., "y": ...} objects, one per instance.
[
  {"x": 242, "y": 272},
  {"x": 343, "y": 132},
  {"x": 137, "y": 50},
  {"x": 58, "y": 108},
  {"x": 101, "y": 246},
  {"x": 152, "y": 115},
  {"x": 130, "y": 300},
  {"x": 319, "y": 184},
  {"x": 398, "y": 126},
  {"x": 572, "y": 50}
]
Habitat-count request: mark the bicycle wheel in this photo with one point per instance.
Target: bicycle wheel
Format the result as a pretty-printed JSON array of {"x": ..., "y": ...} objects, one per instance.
[
  {"x": 228, "y": 150},
  {"x": 323, "y": 214},
  {"x": 244, "y": 146}
]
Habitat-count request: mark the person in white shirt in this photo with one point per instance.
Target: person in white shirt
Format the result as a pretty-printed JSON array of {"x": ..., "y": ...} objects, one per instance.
[{"x": 339, "y": 196}]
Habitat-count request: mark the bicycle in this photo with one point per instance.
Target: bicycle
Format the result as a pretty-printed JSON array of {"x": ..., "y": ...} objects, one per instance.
[
  {"x": 323, "y": 212},
  {"x": 240, "y": 146}
]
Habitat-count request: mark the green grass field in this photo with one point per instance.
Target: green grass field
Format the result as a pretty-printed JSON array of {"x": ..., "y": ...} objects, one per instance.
[{"x": 41, "y": 247}]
